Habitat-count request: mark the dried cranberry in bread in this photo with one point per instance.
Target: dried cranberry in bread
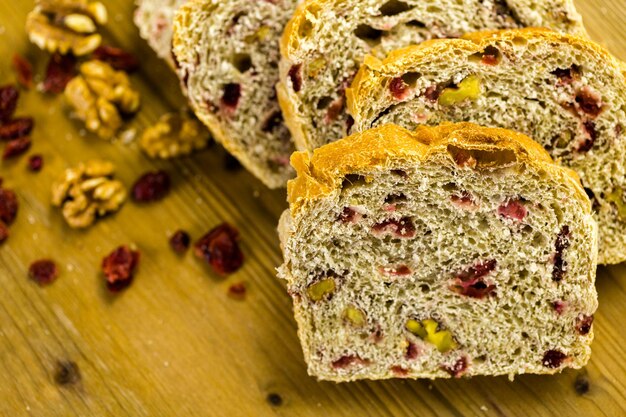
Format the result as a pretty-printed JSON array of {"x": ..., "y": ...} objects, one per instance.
[
  {"x": 455, "y": 250},
  {"x": 326, "y": 40},
  {"x": 155, "y": 18},
  {"x": 565, "y": 92},
  {"x": 227, "y": 54}
]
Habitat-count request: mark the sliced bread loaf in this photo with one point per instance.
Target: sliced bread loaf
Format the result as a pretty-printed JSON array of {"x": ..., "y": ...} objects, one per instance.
[
  {"x": 227, "y": 53},
  {"x": 326, "y": 40},
  {"x": 565, "y": 92},
  {"x": 455, "y": 250},
  {"x": 155, "y": 18}
]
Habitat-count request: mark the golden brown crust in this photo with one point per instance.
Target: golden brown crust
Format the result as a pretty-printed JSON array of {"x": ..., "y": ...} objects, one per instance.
[
  {"x": 387, "y": 146},
  {"x": 403, "y": 59}
]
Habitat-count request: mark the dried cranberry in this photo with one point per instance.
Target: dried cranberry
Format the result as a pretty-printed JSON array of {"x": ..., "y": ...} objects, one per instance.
[
  {"x": 117, "y": 58},
  {"x": 23, "y": 70},
  {"x": 119, "y": 267},
  {"x": 399, "y": 371},
  {"x": 398, "y": 88},
  {"x": 16, "y": 128},
  {"x": 61, "y": 69},
  {"x": 470, "y": 283},
  {"x": 8, "y": 101},
  {"x": 458, "y": 368},
  {"x": 151, "y": 186},
  {"x": 8, "y": 205},
  {"x": 412, "y": 351},
  {"x": 66, "y": 373},
  {"x": 295, "y": 77},
  {"x": 16, "y": 147},
  {"x": 581, "y": 384},
  {"x": 559, "y": 306},
  {"x": 237, "y": 291},
  {"x": 589, "y": 129},
  {"x": 347, "y": 361},
  {"x": 513, "y": 209},
  {"x": 395, "y": 271},
  {"x": 180, "y": 241},
  {"x": 220, "y": 249},
  {"x": 231, "y": 95},
  {"x": 432, "y": 93},
  {"x": 589, "y": 101},
  {"x": 567, "y": 76},
  {"x": 403, "y": 228},
  {"x": 583, "y": 324},
  {"x": 560, "y": 264},
  {"x": 465, "y": 200},
  {"x": 553, "y": 358},
  {"x": 274, "y": 120},
  {"x": 491, "y": 56},
  {"x": 43, "y": 271},
  {"x": 348, "y": 215},
  {"x": 334, "y": 110},
  {"x": 35, "y": 163},
  {"x": 4, "y": 232}
]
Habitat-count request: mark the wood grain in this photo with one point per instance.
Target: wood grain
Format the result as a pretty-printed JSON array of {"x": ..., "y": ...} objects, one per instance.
[{"x": 175, "y": 344}]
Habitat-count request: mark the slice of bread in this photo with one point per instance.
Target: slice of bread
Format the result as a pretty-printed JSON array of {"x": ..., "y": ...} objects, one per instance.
[
  {"x": 455, "y": 250},
  {"x": 326, "y": 40},
  {"x": 227, "y": 53},
  {"x": 154, "y": 18},
  {"x": 565, "y": 92}
]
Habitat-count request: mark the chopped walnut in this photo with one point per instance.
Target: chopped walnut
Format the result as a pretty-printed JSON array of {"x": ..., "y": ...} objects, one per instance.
[
  {"x": 100, "y": 95},
  {"x": 87, "y": 192},
  {"x": 175, "y": 134},
  {"x": 66, "y": 26}
]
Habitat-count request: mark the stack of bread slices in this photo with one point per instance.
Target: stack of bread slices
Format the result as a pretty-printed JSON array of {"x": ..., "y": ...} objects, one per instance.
[{"x": 460, "y": 174}]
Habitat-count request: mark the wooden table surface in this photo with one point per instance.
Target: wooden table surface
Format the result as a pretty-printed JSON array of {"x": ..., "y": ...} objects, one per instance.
[{"x": 174, "y": 343}]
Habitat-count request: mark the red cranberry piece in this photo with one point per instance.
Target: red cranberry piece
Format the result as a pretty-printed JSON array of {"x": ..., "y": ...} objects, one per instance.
[
  {"x": 23, "y": 70},
  {"x": 16, "y": 147},
  {"x": 4, "y": 232},
  {"x": 470, "y": 283},
  {"x": 560, "y": 264},
  {"x": 220, "y": 249},
  {"x": 8, "y": 101},
  {"x": 432, "y": 93},
  {"x": 553, "y": 358},
  {"x": 412, "y": 351},
  {"x": 567, "y": 76},
  {"x": 403, "y": 228},
  {"x": 589, "y": 101},
  {"x": 347, "y": 361},
  {"x": 295, "y": 77},
  {"x": 458, "y": 368},
  {"x": 43, "y": 271},
  {"x": 399, "y": 371},
  {"x": 116, "y": 58},
  {"x": 16, "y": 128},
  {"x": 35, "y": 163},
  {"x": 589, "y": 129},
  {"x": 61, "y": 69},
  {"x": 559, "y": 306},
  {"x": 399, "y": 89},
  {"x": 180, "y": 241},
  {"x": 348, "y": 215},
  {"x": 491, "y": 56},
  {"x": 237, "y": 291},
  {"x": 8, "y": 205},
  {"x": 119, "y": 267},
  {"x": 395, "y": 271},
  {"x": 513, "y": 209},
  {"x": 583, "y": 324},
  {"x": 334, "y": 110},
  {"x": 465, "y": 200},
  {"x": 151, "y": 186},
  {"x": 67, "y": 373},
  {"x": 232, "y": 93}
]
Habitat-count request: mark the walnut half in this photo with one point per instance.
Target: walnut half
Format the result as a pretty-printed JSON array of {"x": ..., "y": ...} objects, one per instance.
[
  {"x": 175, "y": 134},
  {"x": 86, "y": 192},
  {"x": 66, "y": 26}
]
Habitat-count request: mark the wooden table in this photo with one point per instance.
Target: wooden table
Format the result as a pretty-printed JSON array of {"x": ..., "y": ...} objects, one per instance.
[{"x": 174, "y": 344}]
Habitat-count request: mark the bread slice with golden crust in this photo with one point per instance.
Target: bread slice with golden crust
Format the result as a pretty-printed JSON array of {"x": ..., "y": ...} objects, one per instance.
[
  {"x": 155, "y": 18},
  {"x": 326, "y": 40},
  {"x": 565, "y": 92},
  {"x": 227, "y": 54},
  {"x": 455, "y": 250}
]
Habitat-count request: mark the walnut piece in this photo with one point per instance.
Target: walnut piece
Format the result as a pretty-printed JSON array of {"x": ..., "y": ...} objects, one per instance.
[
  {"x": 99, "y": 96},
  {"x": 86, "y": 192},
  {"x": 175, "y": 134},
  {"x": 66, "y": 26}
]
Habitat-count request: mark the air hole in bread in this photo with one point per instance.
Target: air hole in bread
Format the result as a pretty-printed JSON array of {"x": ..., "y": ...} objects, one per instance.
[
  {"x": 243, "y": 62},
  {"x": 489, "y": 56},
  {"x": 368, "y": 34},
  {"x": 415, "y": 24},
  {"x": 352, "y": 180},
  {"x": 231, "y": 95},
  {"x": 482, "y": 158},
  {"x": 305, "y": 28},
  {"x": 295, "y": 77},
  {"x": 394, "y": 7},
  {"x": 410, "y": 78},
  {"x": 272, "y": 121}
]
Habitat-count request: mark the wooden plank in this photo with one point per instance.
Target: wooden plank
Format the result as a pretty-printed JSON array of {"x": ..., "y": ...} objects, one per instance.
[{"x": 174, "y": 343}]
